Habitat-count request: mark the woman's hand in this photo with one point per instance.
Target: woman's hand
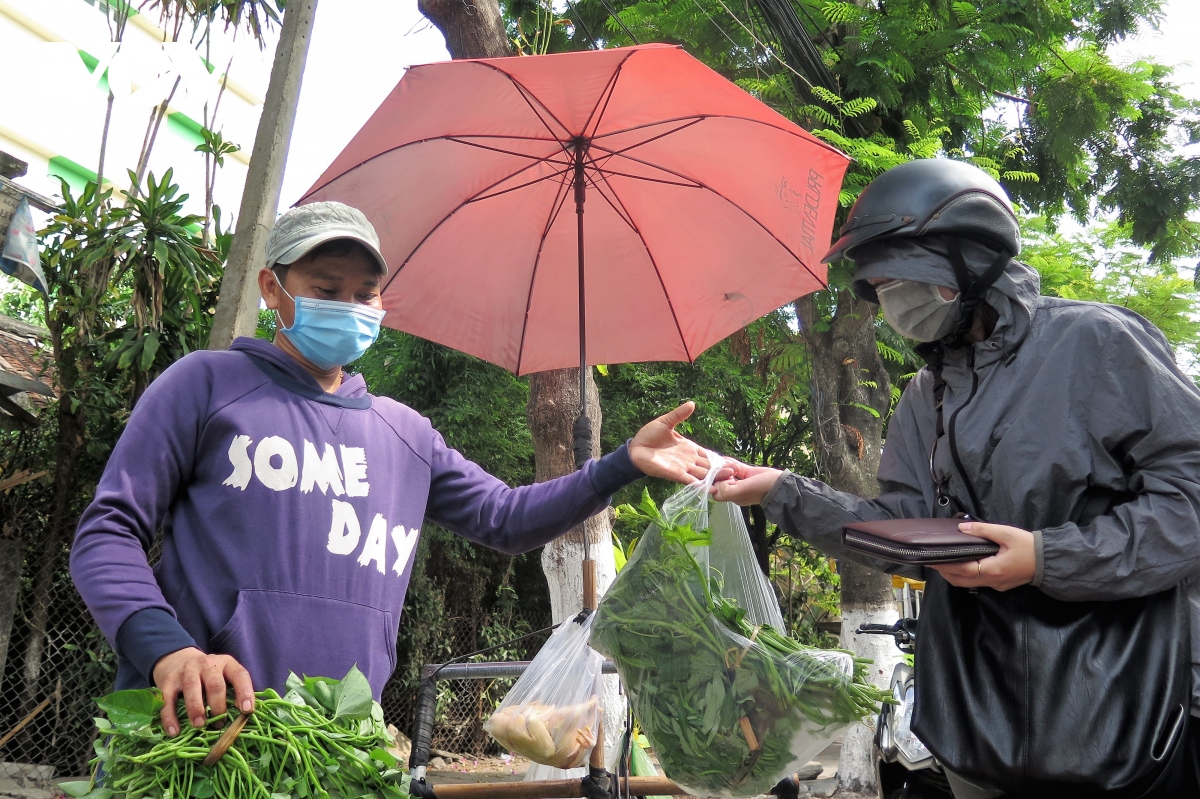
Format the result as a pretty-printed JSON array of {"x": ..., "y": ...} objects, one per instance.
[
  {"x": 659, "y": 451},
  {"x": 1014, "y": 565},
  {"x": 748, "y": 485}
]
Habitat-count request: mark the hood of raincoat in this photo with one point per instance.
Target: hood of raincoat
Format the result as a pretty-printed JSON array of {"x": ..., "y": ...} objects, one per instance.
[{"x": 1014, "y": 296}]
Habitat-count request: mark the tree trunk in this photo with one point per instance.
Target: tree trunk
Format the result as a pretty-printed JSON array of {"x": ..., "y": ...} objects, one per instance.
[
  {"x": 473, "y": 28},
  {"x": 553, "y": 406},
  {"x": 237, "y": 305},
  {"x": 849, "y": 377}
]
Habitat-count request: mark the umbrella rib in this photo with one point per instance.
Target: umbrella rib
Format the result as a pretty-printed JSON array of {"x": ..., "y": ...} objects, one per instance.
[
  {"x": 662, "y": 284},
  {"x": 530, "y": 98},
  {"x": 557, "y": 174},
  {"x": 454, "y": 137},
  {"x": 746, "y": 213},
  {"x": 446, "y": 218},
  {"x": 620, "y": 212},
  {"x": 604, "y": 98},
  {"x": 546, "y": 159},
  {"x": 559, "y": 201},
  {"x": 695, "y": 121},
  {"x": 798, "y": 133},
  {"x": 607, "y": 172}
]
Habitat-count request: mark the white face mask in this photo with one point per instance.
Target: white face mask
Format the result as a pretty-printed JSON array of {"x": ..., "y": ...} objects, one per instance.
[{"x": 917, "y": 310}]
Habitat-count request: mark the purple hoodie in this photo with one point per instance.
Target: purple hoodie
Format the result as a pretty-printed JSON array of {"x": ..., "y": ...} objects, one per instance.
[{"x": 290, "y": 518}]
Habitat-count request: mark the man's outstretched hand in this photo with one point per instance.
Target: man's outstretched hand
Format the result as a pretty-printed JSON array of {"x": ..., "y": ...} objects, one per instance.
[{"x": 659, "y": 451}]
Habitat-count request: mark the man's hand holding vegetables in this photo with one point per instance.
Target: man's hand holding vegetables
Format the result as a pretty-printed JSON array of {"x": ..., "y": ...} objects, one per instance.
[{"x": 290, "y": 499}]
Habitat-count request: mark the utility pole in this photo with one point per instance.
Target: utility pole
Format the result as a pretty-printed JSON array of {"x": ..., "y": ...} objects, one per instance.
[{"x": 237, "y": 307}]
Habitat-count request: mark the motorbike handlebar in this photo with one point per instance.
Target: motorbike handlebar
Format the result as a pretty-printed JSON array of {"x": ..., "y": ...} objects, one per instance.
[{"x": 903, "y": 631}]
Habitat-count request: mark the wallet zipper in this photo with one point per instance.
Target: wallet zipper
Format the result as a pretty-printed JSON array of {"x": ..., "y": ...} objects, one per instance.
[{"x": 892, "y": 549}]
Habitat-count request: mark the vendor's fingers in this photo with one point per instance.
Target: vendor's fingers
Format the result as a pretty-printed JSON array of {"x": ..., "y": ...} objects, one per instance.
[
  {"x": 170, "y": 721},
  {"x": 243, "y": 687},
  {"x": 214, "y": 687},
  {"x": 193, "y": 694},
  {"x": 678, "y": 415}
]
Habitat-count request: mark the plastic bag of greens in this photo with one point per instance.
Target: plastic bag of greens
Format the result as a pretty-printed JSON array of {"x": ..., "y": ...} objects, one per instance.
[
  {"x": 730, "y": 706},
  {"x": 552, "y": 714}
]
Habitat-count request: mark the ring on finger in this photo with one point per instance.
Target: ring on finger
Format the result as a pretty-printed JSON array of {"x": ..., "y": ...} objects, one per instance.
[{"x": 978, "y": 569}]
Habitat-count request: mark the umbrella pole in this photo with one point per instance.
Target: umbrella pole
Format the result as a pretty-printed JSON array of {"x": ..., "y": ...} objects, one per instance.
[{"x": 583, "y": 425}]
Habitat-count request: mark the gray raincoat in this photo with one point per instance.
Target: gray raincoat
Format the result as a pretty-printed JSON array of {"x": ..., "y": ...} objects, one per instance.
[{"x": 1070, "y": 396}]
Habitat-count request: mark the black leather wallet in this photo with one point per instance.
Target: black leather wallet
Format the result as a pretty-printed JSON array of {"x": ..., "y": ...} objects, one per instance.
[{"x": 917, "y": 541}]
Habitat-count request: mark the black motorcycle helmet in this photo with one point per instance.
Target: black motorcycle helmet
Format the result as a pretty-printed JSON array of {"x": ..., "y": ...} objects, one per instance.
[
  {"x": 930, "y": 196},
  {"x": 951, "y": 200}
]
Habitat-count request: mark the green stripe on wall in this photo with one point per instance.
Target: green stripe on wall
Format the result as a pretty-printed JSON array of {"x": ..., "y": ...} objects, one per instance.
[
  {"x": 186, "y": 128},
  {"x": 76, "y": 175},
  {"x": 92, "y": 62}
]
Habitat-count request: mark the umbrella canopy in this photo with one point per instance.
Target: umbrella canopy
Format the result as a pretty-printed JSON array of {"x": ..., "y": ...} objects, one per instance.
[{"x": 689, "y": 208}]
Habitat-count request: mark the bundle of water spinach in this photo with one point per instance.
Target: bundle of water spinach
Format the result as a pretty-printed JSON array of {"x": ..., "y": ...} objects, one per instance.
[
  {"x": 730, "y": 707},
  {"x": 323, "y": 739}
]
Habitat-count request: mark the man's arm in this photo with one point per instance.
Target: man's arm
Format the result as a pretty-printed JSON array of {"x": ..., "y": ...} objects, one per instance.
[
  {"x": 152, "y": 459},
  {"x": 466, "y": 500}
]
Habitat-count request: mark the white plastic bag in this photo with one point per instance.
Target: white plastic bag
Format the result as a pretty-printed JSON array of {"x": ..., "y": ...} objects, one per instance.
[
  {"x": 552, "y": 714},
  {"x": 730, "y": 704}
]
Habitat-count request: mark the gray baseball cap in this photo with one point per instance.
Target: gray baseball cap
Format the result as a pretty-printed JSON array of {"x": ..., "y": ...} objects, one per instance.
[{"x": 303, "y": 228}]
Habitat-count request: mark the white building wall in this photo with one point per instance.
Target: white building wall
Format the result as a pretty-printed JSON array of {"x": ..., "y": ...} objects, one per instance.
[{"x": 54, "y": 107}]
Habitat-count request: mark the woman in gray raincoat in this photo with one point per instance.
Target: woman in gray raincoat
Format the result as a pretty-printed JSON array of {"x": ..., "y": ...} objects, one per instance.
[{"x": 1067, "y": 428}]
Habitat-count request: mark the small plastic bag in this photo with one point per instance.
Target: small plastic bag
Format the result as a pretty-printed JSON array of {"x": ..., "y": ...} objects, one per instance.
[
  {"x": 730, "y": 704},
  {"x": 552, "y": 714}
]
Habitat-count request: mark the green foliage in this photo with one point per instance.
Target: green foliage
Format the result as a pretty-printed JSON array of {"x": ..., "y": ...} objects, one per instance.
[{"x": 1099, "y": 265}]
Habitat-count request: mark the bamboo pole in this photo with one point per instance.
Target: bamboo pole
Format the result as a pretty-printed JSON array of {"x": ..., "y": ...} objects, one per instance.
[
  {"x": 8, "y": 736},
  {"x": 554, "y": 789}
]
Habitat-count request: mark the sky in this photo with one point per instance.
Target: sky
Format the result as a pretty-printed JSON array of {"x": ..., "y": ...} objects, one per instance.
[{"x": 359, "y": 51}]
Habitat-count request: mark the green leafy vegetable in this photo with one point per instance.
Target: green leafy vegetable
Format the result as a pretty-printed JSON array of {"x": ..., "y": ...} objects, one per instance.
[
  {"x": 727, "y": 705},
  {"x": 324, "y": 739}
]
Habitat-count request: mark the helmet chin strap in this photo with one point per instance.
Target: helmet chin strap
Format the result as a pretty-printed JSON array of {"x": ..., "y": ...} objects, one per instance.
[{"x": 970, "y": 288}]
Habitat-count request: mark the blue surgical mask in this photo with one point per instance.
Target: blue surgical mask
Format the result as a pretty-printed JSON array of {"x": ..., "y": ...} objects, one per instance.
[{"x": 330, "y": 333}]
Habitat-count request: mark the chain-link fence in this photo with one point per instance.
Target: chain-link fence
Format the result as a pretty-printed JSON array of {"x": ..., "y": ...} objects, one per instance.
[
  {"x": 462, "y": 705},
  {"x": 50, "y": 675},
  {"x": 56, "y": 680}
]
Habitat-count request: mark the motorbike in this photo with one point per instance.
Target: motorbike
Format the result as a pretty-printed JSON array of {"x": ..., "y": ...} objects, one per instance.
[{"x": 904, "y": 768}]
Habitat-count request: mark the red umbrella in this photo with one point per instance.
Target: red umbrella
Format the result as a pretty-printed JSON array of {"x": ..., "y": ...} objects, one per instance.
[{"x": 705, "y": 209}]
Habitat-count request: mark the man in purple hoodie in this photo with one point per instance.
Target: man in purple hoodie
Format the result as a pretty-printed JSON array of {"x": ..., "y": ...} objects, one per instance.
[{"x": 290, "y": 499}]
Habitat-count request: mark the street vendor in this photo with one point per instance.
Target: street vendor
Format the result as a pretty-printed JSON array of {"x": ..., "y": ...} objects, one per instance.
[{"x": 291, "y": 499}]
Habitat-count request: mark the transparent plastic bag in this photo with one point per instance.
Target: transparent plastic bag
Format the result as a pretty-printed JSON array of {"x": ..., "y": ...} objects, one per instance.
[
  {"x": 730, "y": 704},
  {"x": 552, "y": 714},
  {"x": 731, "y": 556}
]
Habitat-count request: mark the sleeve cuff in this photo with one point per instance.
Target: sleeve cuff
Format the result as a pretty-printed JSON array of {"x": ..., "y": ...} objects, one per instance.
[
  {"x": 1039, "y": 559},
  {"x": 770, "y": 495},
  {"x": 148, "y": 635},
  {"x": 614, "y": 471}
]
